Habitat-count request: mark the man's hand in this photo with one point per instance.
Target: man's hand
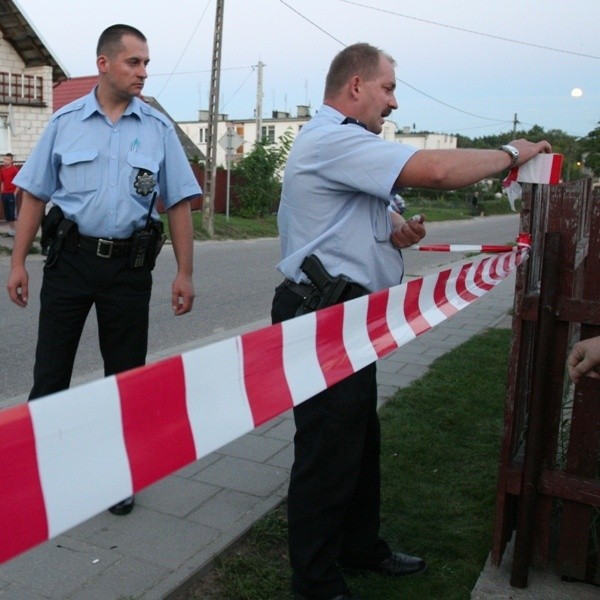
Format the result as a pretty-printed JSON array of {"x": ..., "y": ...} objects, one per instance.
[
  {"x": 584, "y": 359},
  {"x": 18, "y": 285},
  {"x": 527, "y": 150},
  {"x": 182, "y": 297},
  {"x": 407, "y": 233}
]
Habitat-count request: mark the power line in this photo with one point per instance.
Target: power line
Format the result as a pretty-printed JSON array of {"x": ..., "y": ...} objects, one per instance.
[
  {"x": 397, "y": 79},
  {"x": 463, "y": 29},
  {"x": 185, "y": 49}
]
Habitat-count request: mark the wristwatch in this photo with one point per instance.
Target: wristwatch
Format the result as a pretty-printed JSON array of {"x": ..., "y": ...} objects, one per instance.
[{"x": 512, "y": 152}]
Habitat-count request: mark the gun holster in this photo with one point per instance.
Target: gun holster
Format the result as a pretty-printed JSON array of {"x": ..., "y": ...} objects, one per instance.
[
  {"x": 328, "y": 290},
  {"x": 61, "y": 234}
]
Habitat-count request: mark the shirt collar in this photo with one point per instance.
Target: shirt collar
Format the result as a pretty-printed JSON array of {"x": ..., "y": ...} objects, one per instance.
[{"x": 91, "y": 106}]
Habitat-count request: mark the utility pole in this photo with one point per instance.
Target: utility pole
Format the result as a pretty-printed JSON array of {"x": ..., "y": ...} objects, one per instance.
[
  {"x": 515, "y": 123},
  {"x": 259, "y": 97},
  {"x": 210, "y": 170}
]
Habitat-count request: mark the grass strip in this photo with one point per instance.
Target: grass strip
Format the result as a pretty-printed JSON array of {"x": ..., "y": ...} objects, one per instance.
[{"x": 440, "y": 445}]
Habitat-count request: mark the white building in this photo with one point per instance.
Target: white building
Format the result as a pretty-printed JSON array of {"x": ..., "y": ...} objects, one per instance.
[
  {"x": 426, "y": 141},
  {"x": 28, "y": 70},
  {"x": 274, "y": 127}
]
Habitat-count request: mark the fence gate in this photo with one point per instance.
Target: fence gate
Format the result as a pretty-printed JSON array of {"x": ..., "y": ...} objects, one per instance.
[{"x": 549, "y": 478}]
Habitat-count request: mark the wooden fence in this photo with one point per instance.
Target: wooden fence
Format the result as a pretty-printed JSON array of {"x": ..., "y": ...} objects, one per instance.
[{"x": 548, "y": 484}]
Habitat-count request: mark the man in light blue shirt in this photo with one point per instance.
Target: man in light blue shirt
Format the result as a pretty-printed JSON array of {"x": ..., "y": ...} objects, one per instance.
[
  {"x": 338, "y": 184},
  {"x": 102, "y": 161}
]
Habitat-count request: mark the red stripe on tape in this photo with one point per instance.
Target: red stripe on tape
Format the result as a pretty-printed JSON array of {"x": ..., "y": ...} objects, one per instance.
[
  {"x": 157, "y": 430},
  {"x": 379, "y": 332},
  {"x": 461, "y": 287},
  {"x": 556, "y": 168},
  {"x": 331, "y": 351},
  {"x": 23, "y": 521},
  {"x": 266, "y": 385},
  {"x": 439, "y": 294},
  {"x": 479, "y": 281},
  {"x": 412, "y": 311},
  {"x": 435, "y": 248}
]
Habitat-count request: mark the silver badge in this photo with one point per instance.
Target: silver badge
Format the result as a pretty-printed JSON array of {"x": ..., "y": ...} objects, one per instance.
[{"x": 144, "y": 182}]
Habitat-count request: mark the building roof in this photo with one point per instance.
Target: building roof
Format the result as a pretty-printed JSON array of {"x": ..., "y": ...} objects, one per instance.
[
  {"x": 27, "y": 42},
  {"x": 70, "y": 89},
  {"x": 76, "y": 87}
]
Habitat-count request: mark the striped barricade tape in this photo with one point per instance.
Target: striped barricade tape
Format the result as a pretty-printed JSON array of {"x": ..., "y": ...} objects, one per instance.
[
  {"x": 523, "y": 241},
  {"x": 67, "y": 457}
]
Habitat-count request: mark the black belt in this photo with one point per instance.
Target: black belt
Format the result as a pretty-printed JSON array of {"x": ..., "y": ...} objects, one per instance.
[{"x": 104, "y": 248}]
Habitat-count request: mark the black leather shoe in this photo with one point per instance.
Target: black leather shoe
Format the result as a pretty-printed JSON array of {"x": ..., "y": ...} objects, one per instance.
[
  {"x": 398, "y": 564},
  {"x": 123, "y": 508}
]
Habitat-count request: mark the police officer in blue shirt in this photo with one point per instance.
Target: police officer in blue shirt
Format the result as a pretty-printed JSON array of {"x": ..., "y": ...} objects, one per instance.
[
  {"x": 102, "y": 161},
  {"x": 338, "y": 186}
]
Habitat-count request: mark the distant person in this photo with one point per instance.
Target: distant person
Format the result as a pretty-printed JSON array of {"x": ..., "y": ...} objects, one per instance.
[
  {"x": 584, "y": 360},
  {"x": 102, "y": 160},
  {"x": 8, "y": 189},
  {"x": 338, "y": 183},
  {"x": 475, "y": 204}
]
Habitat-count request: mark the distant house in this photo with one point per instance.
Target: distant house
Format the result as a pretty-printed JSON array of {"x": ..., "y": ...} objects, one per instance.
[
  {"x": 274, "y": 127},
  {"x": 271, "y": 129},
  {"x": 76, "y": 87},
  {"x": 28, "y": 69},
  {"x": 426, "y": 141}
]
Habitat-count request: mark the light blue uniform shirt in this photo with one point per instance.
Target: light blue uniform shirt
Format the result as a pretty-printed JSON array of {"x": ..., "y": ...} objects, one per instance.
[
  {"x": 337, "y": 187},
  {"x": 88, "y": 166}
]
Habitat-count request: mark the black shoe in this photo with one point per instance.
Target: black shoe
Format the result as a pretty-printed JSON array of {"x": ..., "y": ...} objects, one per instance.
[
  {"x": 395, "y": 565},
  {"x": 398, "y": 564},
  {"x": 123, "y": 508}
]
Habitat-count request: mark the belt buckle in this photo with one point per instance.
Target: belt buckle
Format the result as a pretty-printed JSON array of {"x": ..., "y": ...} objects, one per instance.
[{"x": 104, "y": 243}]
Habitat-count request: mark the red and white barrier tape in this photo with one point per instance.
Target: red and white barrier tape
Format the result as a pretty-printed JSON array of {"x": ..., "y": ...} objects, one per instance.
[
  {"x": 523, "y": 241},
  {"x": 485, "y": 248},
  {"x": 66, "y": 457}
]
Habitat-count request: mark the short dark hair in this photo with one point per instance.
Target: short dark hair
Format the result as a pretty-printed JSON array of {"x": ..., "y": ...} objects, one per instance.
[
  {"x": 109, "y": 42},
  {"x": 9, "y": 154},
  {"x": 359, "y": 59}
]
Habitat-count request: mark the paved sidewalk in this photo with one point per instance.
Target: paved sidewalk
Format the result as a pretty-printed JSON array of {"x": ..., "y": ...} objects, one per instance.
[{"x": 181, "y": 523}]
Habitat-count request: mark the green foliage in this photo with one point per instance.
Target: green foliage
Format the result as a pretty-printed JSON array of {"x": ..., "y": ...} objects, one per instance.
[
  {"x": 591, "y": 150},
  {"x": 258, "y": 174},
  {"x": 236, "y": 228}
]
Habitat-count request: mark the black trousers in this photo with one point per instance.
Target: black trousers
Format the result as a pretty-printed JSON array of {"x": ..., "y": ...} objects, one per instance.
[
  {"x": 334, "y": 492},
  {"x": 75, "y": 282}
]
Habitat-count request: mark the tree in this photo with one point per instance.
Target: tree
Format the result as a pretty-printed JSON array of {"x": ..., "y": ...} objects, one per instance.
[
  {"x": 258, "y": 176},
  {"x": 591, "y": 150}
]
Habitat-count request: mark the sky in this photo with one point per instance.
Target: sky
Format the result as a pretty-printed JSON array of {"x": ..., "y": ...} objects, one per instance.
[{"x": 463, "y": 66}]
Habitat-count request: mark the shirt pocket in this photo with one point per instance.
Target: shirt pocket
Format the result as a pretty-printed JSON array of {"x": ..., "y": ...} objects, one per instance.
[
  {"x": 380, "y": 221},
  {"x": 80, "y": 171},
  {"x": 142, "y": 166}
]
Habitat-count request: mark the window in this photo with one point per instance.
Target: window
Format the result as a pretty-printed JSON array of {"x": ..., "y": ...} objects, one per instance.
[
  {"x": 268, "y": 133},
  {"x": 202, "y": 136},
  {"x": 16, "y": 88}
]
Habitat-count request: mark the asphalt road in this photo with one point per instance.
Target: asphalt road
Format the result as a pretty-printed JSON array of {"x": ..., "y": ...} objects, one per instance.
[{"x": 234, "y": 283}]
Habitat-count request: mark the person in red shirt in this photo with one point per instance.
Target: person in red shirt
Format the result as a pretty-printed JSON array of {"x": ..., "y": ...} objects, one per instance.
[{"x": 7, "y": 191}]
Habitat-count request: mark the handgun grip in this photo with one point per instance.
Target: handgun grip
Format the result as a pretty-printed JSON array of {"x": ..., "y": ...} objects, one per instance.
[{"x": 313, "y": 268}]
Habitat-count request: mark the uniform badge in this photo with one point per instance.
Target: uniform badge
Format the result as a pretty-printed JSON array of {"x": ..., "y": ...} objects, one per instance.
[{"x": 144, "y": 182}]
